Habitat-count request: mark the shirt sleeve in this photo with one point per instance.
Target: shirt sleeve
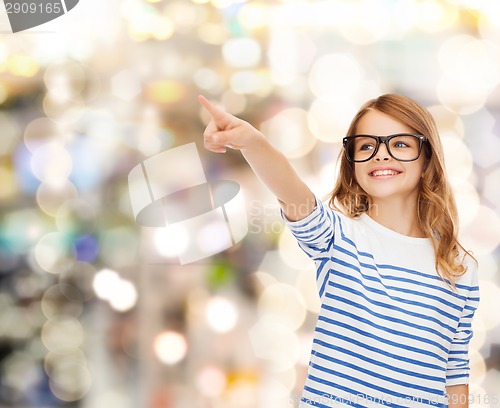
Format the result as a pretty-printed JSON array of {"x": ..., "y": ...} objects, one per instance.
[
  {"x": 315, "y": 235},
  {"x": 457, "y": 370}
]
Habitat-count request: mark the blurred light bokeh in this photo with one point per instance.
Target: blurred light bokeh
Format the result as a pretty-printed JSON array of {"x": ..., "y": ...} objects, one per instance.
[{"x": 86, "y": 318}]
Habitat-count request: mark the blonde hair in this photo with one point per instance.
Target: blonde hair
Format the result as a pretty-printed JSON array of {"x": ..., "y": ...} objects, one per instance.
[{"x": 436, "y": 208}]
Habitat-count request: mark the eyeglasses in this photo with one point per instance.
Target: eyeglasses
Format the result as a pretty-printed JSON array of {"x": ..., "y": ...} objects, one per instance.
[{"x": 403, "y": 147}]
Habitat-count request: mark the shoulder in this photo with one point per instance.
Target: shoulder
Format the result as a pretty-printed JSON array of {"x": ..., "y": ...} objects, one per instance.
[
  {"x": 323, "y": 216},
  {"x": 323, "y": 208},
  {"x": 347, "y": 226},
  {"x": 470, "y": 279},
  {"x": 320, "y": 215},
  {"x": 343, "y": 220}
]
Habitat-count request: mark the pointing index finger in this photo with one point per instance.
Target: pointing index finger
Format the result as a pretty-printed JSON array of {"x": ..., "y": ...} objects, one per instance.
[{"x": 217, "y": 113}]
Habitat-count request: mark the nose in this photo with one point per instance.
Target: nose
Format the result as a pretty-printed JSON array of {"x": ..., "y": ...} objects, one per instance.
[{"x": 382, "y": 153}]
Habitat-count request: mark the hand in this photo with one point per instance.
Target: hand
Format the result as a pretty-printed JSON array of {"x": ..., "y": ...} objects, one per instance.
[
  {"x": 225, "y": 130},
  {"x": 269, "y": 164}
]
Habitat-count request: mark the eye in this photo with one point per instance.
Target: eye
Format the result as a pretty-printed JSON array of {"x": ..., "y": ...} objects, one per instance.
[
  {"x": 364, "y": 143},
  {"x": 404, "y": 142},
  {"x": 366, "y": 146}
]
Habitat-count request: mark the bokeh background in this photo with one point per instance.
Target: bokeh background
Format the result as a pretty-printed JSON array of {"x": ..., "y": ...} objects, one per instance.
[{"x": 88, "y": 316}]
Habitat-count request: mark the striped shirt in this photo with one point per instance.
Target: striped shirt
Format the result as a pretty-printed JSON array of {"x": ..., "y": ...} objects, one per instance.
[{"x": 390, "y": 332}]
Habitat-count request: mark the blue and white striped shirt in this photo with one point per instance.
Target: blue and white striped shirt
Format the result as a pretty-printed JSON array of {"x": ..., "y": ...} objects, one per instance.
[{"x": 390, "y": 332}]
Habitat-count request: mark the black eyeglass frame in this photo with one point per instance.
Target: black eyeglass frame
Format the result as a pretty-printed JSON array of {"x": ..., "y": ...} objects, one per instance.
[{"x": 385, "y": 140}]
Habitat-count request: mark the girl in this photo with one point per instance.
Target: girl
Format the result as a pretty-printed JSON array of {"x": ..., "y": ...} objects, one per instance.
[{"x": 398, "y": 291}]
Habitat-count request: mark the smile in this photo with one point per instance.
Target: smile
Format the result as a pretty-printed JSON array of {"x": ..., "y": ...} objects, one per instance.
[{"x": 378, "y": 173}]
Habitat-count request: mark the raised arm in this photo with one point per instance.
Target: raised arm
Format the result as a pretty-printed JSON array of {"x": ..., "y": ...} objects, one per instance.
[{"x": 270, "y": 165}]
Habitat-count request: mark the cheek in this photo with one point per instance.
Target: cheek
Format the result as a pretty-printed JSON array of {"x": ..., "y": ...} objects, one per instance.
[
  {"x": 358, "y": 170},
  {"x": 360, "y": 175},
  {"x": 416, "y": 174},
  {"x": 422, "y": 165},
  {"x": 356, "y": 173}
]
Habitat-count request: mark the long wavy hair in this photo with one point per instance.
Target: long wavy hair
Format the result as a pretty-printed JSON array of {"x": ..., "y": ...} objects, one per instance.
[{"x": 436, "y": 209}]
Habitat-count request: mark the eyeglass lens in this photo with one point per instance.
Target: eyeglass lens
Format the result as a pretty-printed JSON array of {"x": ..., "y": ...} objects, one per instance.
[{"x": 403, "y": 147}]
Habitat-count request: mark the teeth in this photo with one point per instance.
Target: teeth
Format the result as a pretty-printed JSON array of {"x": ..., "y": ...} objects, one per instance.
[{"x": 384, "y": 173}]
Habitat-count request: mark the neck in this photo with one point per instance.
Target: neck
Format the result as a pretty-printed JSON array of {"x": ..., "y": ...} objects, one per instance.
[{"x": 397, "y": 215}]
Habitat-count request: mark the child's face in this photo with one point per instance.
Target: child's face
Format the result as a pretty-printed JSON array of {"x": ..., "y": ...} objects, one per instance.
[{"x": 383, "y": 177}]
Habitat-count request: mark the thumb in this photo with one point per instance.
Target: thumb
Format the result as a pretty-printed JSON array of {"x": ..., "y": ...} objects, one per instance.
[{"x": 223, "y": 139}]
